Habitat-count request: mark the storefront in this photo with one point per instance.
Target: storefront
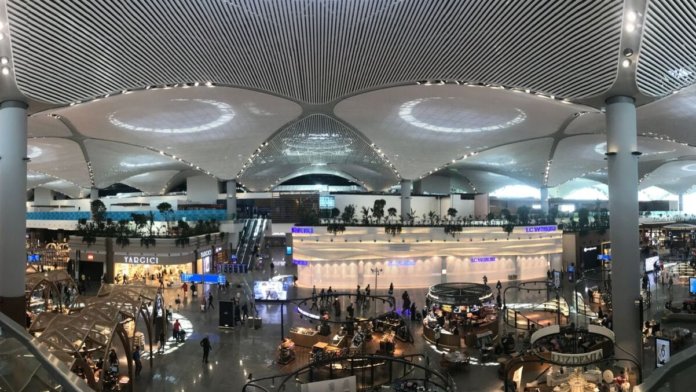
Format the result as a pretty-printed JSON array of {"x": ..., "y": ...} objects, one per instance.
[
  {"x": 460, "y": 314},
  {"x": 148, "y": 266},
  {"x": 204, "y": 262}
]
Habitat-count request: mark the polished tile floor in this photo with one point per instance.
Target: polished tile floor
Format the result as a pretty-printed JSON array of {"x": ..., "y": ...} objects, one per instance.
[{"x": 242, "y": 353}]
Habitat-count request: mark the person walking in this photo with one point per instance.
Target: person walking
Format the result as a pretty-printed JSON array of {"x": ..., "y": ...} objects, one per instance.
[
  {"x": 272, "y": 266},
  {"x": 176, "y": 329},
  {"x": 245, "y": 312},
  {"x": 210, "y": 301},
  {"x": 138, "y": 363},
  {"x": 205, "y": 343},
  {"x": 185, "y": 288},
  {"x": 162, "y": 341}
]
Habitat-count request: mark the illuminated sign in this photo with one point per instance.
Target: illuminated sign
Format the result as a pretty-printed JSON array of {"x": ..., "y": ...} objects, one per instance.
[
  {"x": 576, "y": 359},
  {"x": 204, "y": 278},
  {"x": 589, "y": 248},
  {"x": 90, "y": 256},
  {"x": 540, "y": 229},
  {"x": 206, "y": 253},
  {"x": 483, "y": 259},
  {"x": 401, "y": 263},
  {"x": 302, "y": 230},
  {"x": 300, "y": 262},
  {"x": 139, "y": 260}
]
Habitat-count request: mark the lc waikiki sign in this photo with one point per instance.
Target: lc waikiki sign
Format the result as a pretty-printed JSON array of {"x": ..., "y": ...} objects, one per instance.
[{"x": 140, "y": 260}]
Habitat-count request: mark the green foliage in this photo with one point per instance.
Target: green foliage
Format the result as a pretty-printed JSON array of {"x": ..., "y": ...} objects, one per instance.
[
  {"x": 523, "y": 214},
  {"x": 391, "y": 212},
  {"x": 505, "y": 214},
  {"x": 392, "y": 229},
  {"x": 583, "y": 217},
  {"x": 98, "y": 210},
  {"x": 508, "y": 228},
  {"x": 452, "y": 212},
  {"x": 348, "y": 214},
  {"x": 378, "y": 209},
  {"x": 365, "y": 215},
  {"x": 335, "y": 228},
  {"x": 335, "y": 213}
]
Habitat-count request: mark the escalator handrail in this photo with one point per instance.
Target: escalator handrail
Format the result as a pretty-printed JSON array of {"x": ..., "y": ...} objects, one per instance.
[{"x": 56, "y": 369}]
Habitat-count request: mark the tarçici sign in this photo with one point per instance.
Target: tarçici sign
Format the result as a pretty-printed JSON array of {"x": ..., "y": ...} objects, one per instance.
[
  {"x": 141, "y": 259},
  {"x": 540, "y": 229},
  {"x": 483, "y": 259}
]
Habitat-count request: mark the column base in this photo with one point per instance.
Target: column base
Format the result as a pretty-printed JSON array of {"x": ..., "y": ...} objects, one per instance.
[{"x": 15, "y": 308}]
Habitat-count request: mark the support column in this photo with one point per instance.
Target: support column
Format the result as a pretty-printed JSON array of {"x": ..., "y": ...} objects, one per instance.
[
  {"x": 443, "y": 265},
  {"x": 544, "y": 200},
  {"x": 681, "y": 202},
  {"x": 406, "y": 186},
  {"x": 13, "y": 197},
  {"x": 622, "y": 155},
  {"x": 93, "y": 194},
  {"x": 231, "y": 199}
]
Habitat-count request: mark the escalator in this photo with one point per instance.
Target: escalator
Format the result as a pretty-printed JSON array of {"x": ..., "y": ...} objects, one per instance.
[{"x": 250, "y": 241}]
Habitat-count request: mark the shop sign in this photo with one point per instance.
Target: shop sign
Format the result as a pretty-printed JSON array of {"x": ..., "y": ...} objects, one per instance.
[
  {"x": 401, "y": 263},
  {"x": 302, "y": 230},
  {"x": 540, "y": 229},
  {"x": 206, "y": 253},
  {"x": 90, "y": 257},
  {"x": 300, "y": 262},
  {"x": 589, "y": 248},
  {"x": 576, "y": 359},
  {"x": 141, "y": 260},
  {"x": 483, "y": 259}
]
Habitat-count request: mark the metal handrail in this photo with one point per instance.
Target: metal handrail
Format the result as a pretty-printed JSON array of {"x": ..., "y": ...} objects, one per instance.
[
  {"x": 53, "y": 366},
  {"x": 446, "y": 379}
]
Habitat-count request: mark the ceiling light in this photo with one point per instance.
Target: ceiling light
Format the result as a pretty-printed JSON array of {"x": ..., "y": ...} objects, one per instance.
[
  {"x": 631, "y": 16},
  {"x": 2, "y": 36},
  {"x": 628, "y": 52},
  {"x": 626, "y": 63},
  {"x": 630, "y": 27},
  {"x": 4, "y": 60},
  {"x": 5, "y": 71}
]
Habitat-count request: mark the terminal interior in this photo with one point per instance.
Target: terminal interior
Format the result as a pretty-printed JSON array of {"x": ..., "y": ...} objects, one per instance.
[{"x": 340, "y": 195}]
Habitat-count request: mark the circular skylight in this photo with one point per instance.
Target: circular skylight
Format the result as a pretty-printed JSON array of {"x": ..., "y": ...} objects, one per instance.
[
  {"x": 416, "y": 111},
  {"x": 180, "y": 116}
]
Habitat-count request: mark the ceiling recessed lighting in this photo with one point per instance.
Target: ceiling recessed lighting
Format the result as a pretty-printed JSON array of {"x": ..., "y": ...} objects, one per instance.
[
  {"x": 5, "y": 71},
  {"x": 631, "y": 16},
  {"x": 630, "y": 27},
  {"x": 626, "y": 63},
  {"x": 4, "y": 60}
]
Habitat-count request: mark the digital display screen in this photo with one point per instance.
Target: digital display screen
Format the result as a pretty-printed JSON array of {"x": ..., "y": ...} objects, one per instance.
[
  {"x": 692, "y": 285},
  {"x": 662, "y": 351},
  {"x": 650, "y": 263},
  {"x": 327, "y": 202},
  {"x": 288, "y": 250},
  {"x": 204, "y": 278},
  {"x": 269, "y": 291}
]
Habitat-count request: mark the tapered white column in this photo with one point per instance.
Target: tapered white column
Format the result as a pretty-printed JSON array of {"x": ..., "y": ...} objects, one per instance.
[
  {"x": 93, "y": 194},
  {"x": 13, "y": 197},
  {"x": 681, "y": 202},
  {"x": 622, "y": 155},
  {"x": 406, "y": 186},
  {"x": 231, "y": 199},
  {"x": 544, "y": 200}
]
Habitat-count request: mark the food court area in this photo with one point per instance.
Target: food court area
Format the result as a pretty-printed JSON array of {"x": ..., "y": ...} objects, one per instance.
[{"x": 552, "y": 334}]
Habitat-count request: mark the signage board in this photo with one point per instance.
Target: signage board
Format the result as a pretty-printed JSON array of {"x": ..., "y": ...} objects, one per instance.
[
  {"x": 302, "y": 230},
  {"x": 576, "y": 359},
  {"x": 139, "y": 259},
  {"x": 401, "y": 263},
  {"x": 269, "y": 291},
  {"x": 663, "y": 351},
  {"x": 206, "y": 253},
  {"x": 204, "y": 278},
  {"x": 540, "y": 229},
  {"x": 90, "y": 256},
  {"x": 483, "y": 259},
  {"x": 300, "y": 262},
  {"x": 650, "y": 263}
]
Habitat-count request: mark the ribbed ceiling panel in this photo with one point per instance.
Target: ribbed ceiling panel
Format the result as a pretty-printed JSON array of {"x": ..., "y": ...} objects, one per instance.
[
  {"x": 668, "y": 51},
  {"x": 314, "y": 51},
  {"x": 316, "y": 141}
]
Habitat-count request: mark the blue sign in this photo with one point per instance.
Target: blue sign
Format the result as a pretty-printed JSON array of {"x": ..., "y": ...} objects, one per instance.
[
  {"x": 604, "y": 257},
  {"x": 300, "y": 262},
  {"x": 34, "y": 258},
  {"x": 483, "y": 259},
  {"x": 540, "y": 229},
  {"x": 204, "y": 278},
  {"x": 302, "y": 230},
  {"x": 288, "y": 250},
  {"x": 401, "y": 263}
]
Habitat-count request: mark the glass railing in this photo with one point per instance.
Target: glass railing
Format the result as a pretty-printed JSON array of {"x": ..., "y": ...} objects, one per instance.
[
  {"x": 676, "y": 375},
  {"x": 25, "y": 366},
  {"x": 185, "y": 215}
]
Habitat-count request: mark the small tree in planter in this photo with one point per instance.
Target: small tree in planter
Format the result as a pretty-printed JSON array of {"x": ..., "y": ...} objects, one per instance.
[
  {"x": 391, "y": 213},
  {"x": 348, "y": 214},
  {"x": 378, "y": 209},
  {"x": 335, "y": 228},
  {"x": 335, "y": 213},
  {"x": 451, "y": 213},
  {"x": 165, "y": 209},
  {"x": 98, "y": 213},
  {"x": 365, "y": 215}
]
